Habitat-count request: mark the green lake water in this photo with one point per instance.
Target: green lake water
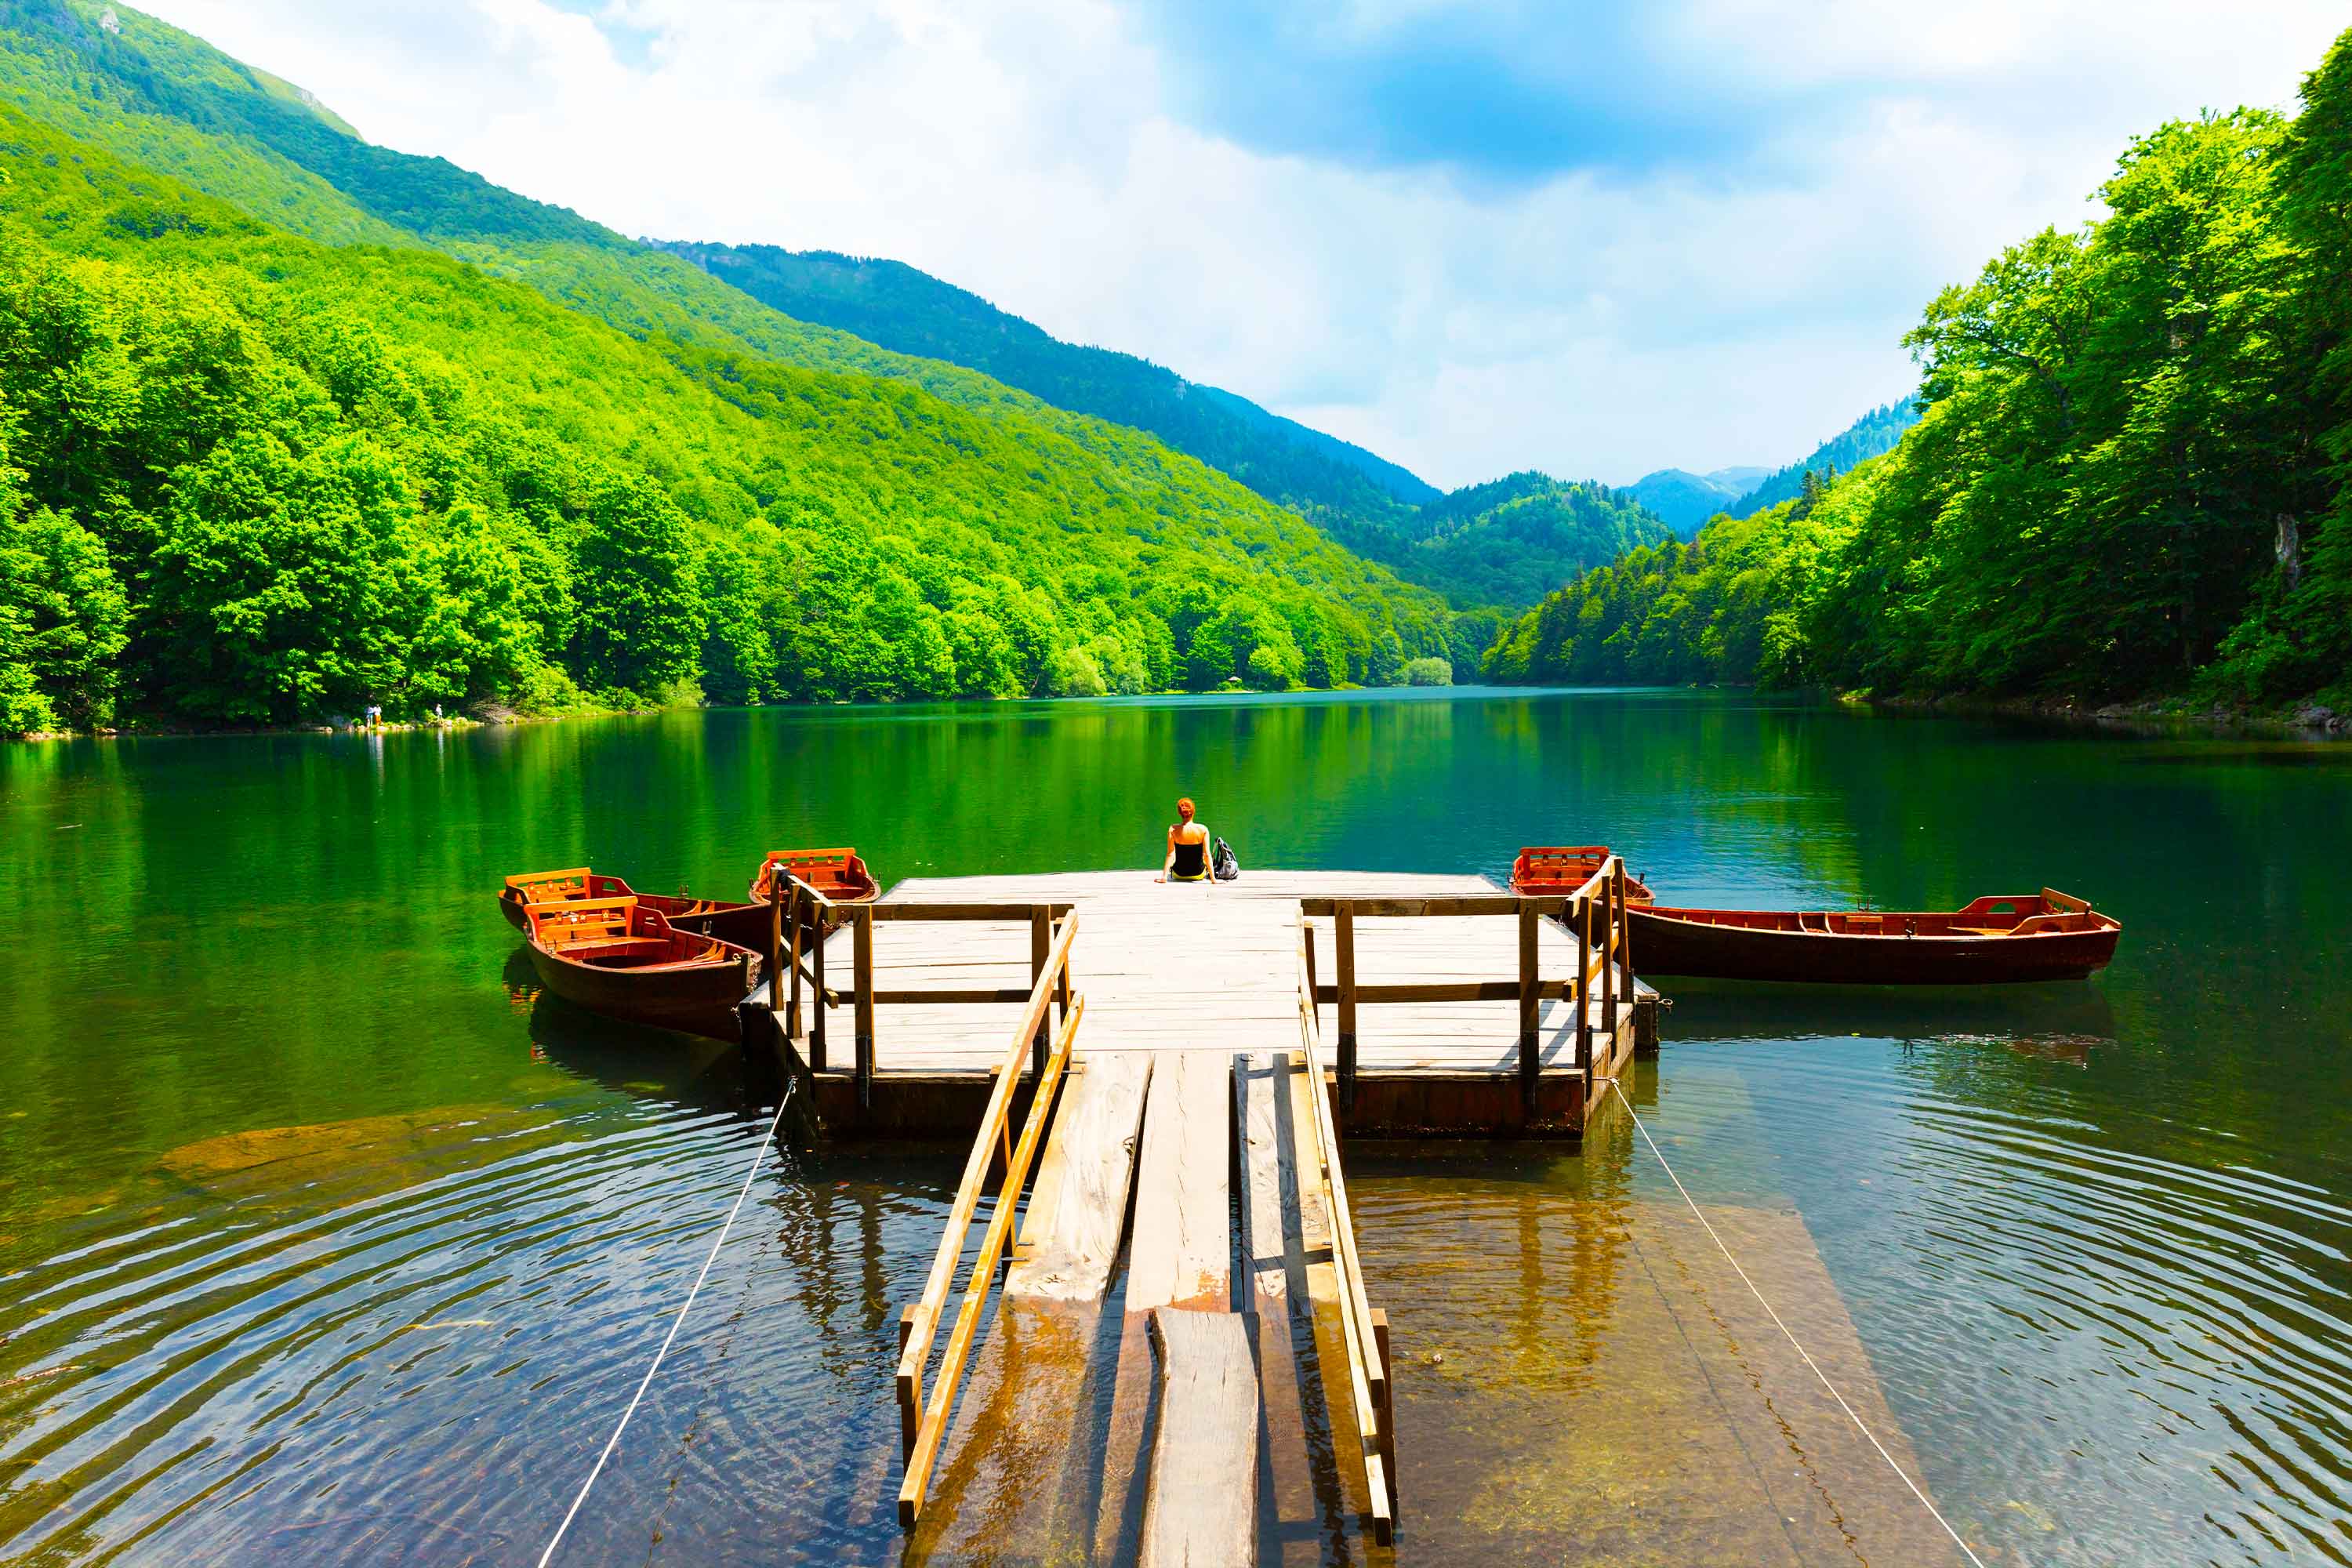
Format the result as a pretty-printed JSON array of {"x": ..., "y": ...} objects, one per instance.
[{"x": 320, "y": 1242}]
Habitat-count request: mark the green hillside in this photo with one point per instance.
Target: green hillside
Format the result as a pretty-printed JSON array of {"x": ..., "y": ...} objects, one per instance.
[
  {"x": 1502, "y": 542},
  {"x": 1499, "y": 544},
  {"x": 258, "y": 477},
  {"x": 2129, "y": 479},
  {"x": 893, "y": 304},
  {"x": 1875, "y": 432}
]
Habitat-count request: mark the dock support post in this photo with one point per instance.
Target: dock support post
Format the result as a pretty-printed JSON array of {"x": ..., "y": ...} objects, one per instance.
[
  {"x": 1343, "y": 938},
  {"x": 861, "y": 952},
  {"x": 792, "y": 1008},
  {"x": 1531, "y": 1063},
  {"x": 821, "y": 1003},
  {"x": 1584, "y": 994},
  {"x": 775, "y": 953},
  {"x": 1040, "y": 944},
  {"x": 1610, "y": 920}
]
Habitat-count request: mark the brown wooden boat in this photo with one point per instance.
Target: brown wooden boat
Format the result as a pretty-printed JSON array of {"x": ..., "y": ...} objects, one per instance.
[
  {"x": 578, "y": 882},
  {"x": 2051, "y": 936},
  {"x": 838, "y": 874},
  {"x": 1555, "y": 870},
  {"x": 622, "y": 956}
]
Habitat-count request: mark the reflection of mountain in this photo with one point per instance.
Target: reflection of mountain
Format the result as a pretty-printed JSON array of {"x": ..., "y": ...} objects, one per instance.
[{"x": 2037, "y": 1017}]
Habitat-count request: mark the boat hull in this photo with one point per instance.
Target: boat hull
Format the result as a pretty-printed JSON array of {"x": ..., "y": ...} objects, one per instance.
[
  {"x": 1665, "y": 944},
  {"x": 695, "y": 998}
]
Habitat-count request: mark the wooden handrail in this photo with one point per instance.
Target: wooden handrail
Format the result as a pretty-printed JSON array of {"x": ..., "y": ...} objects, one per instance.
[
  {"x": 1368, "y": 1378},
  {"x": 922, "y": 1424},
  {"x": 1603, "y": 953}
]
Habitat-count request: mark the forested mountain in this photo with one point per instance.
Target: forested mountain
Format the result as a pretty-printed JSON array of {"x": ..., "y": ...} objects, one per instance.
[
  {"x": 1538, "y": 529},
  {"x": 270, "y": 458},
  {"x": 1686, "y": 501},
  {"x": 1875, "y": 432},
  {"x": 2129, "y": 477},
  {"x": 893, "y": 304}
]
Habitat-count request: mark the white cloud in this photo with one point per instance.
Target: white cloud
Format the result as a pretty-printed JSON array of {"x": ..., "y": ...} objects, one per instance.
[{"x": 1589, "y": 322}]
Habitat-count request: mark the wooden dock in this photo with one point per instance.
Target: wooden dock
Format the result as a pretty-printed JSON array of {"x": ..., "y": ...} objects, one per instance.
[
  {"x": 924, "y": 983},
  {"x": 1176, "y": 1065}
]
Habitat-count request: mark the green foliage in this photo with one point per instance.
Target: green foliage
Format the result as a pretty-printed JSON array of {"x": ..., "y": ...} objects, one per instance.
[
  {"x": 1428, "y": 672},
  {"x": 62, "y": 615},
  {"x": 327, "y": 476},
  {"x": 1505, "y": 542},
  {"x": 2129, "y": 477},
  {"x": 892, "y": 304},
  {"x": 1875, "y": 432}
]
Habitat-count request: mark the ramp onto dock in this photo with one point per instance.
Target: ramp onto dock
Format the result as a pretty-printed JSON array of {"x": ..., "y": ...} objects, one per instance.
[{"x": 1176, "y": 1411}]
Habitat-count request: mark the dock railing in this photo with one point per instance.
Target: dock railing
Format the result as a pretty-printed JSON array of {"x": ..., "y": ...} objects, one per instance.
[
  {"x": 801, "y": 914},
  {"x": 923, "y": 1423},
  {"x": 1362, "y": 1326},
  {"x": 1594, "y": 913}
]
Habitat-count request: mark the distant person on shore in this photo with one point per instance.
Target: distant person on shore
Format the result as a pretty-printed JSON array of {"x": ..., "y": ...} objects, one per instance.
[{"x": 1187, "y": 847}]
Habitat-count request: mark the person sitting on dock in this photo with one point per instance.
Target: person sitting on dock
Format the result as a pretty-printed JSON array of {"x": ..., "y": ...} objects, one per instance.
[{"x": 1187, "y": 847}]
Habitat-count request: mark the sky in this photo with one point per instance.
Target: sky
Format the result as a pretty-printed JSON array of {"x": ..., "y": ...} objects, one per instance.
[{"x": 1476, "y": 237}]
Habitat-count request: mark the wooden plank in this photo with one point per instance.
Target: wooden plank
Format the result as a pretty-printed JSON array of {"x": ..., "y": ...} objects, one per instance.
[
  {"x": 1274, "y": 1291},
  {"x": 1202, "y": 1509},
  {"x": 1450, "y": 908},
  {"x": 1181, "y": 1253},
  {"x": 893, "y": 911},
  {"x": 1070, "y": 1234}
]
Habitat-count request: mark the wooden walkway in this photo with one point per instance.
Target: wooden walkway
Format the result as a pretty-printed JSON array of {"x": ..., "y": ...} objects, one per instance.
[{"x": 1228, "y": 1391}]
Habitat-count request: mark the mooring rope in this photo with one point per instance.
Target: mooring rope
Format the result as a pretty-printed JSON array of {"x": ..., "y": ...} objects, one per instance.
[
  {"x": 758, "y": 1159},
  {"x": 1860, "y": 1424}
]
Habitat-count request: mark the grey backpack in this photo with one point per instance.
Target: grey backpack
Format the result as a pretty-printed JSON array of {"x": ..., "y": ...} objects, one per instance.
[{"x": 1223, "y": 865}]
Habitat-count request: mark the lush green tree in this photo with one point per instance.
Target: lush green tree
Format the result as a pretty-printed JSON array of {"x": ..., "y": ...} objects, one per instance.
[{"x": 639, "y": 623}]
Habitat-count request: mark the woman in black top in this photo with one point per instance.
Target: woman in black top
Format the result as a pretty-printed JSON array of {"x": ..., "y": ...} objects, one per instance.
[{"x": 1187, "y": 847}]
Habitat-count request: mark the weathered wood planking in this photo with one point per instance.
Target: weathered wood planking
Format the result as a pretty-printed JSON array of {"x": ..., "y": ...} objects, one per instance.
[
  {"x": 1078, "y": 1210},
  {"x": 1166, "y": 967},
  {"x": 1202, "y": 1509},
  {"x": 1181, "y": 1253},
  {"x": 1273, "y": 1257}
]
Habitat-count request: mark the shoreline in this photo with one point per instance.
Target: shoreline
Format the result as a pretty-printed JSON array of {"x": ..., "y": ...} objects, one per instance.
[{"x": 2307, "y": 719}]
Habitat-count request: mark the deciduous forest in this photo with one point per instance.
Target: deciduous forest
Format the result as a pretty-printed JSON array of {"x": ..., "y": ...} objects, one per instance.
[{"x": 2129, "y": 479}]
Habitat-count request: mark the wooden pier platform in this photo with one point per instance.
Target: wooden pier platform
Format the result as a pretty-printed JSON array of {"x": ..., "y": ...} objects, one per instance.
[{"x": 1188, "y": 966}]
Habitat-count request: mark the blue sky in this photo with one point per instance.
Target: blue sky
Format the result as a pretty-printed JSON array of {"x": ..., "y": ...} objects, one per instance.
[{"x": 1597, "y": 240}]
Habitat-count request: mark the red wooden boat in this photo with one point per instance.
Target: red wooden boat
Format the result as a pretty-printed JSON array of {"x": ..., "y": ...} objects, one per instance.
[
  {"x": 579, "y": 882},
  {"x": 621, "y": 956},
  {"x": 2051, "y": 936},
  {"x": 1552, "y": 871},
  {"x": 838, "y": 874}
]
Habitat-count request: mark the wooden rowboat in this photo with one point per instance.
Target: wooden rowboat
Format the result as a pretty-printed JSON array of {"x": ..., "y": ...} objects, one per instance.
[
  {"x": 838, "y": 874},
  {"x": 621, "y": 956},
  {"x": 2051, "y": 936},
  {"x": 579, "y": 882},
  {"x": 1555, "y": 870}
]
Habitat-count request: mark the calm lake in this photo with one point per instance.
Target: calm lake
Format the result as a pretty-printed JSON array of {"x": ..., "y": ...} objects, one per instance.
[{"x": 320, "y": 1242}]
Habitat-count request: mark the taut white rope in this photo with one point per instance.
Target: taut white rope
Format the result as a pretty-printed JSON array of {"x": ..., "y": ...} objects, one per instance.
[
  {"x": 758, "y": 1159},
  {"x": 1860, "y": 1424}
]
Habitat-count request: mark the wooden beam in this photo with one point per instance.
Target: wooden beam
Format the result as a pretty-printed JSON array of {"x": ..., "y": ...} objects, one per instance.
[
  {"x": 1007, "y": 914},
  {"x": 1450, "y": 991},
  {"x": 1202, "y": 1509},
  {"x": 1343, "y": 943},
  {"x": 1040, "y": 941},
  {"x": 1458, "y": 905},
  {"x": 862, "y": 960},
  {"x": 1530, "y": 981},
  {"x": 823, "y": 1004}
]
